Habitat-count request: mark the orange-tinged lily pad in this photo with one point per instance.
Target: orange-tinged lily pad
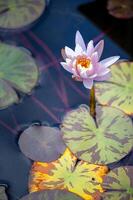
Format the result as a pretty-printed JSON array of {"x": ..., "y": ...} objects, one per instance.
[{"x": 66, "y": 173}]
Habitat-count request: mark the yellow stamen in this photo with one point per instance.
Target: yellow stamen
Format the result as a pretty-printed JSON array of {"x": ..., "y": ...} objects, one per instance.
[{"x": 83, "y": 61}]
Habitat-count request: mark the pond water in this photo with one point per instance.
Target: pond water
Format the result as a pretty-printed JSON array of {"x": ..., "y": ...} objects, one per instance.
[{"x": 55, "y": 93}]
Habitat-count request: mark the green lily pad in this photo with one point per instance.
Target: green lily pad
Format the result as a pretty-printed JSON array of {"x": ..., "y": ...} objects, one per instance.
[
  {"x": 119, "y": 184},
  {"x": 51, "y": 195},
  {"x": 107, "y": 143},
  {"x": 18, "y": 71},
  {"x": 118, "y": 90},
  {"x": 3, "y": 195},
  {"x": 116, "y": 196},
  {"x": 18, "y": 14}
]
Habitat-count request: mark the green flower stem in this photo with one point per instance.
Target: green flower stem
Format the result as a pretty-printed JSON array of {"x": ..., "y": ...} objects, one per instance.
[{"x": 92, "y": 102}]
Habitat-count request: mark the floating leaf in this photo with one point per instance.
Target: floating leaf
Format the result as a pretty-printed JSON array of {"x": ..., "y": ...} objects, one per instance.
[
  {"x": 17, "y": 14},
  {"x": 119, "y": 183},
  {"x": 18, "y": 71},
  {"x": 51, "y": 195},
  {"x": 115, "y": 196},
  {"x": 67, "y": 174},
  {"x": 3, "y": 195},
  {"x": 42, "y": 143},
  {"x": 120, "y": 9},
  {"x": 118, "y": 90},
  {"x": 107, "y": 143}
]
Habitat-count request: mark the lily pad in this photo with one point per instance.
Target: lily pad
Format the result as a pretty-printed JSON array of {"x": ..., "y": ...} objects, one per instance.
[
  {"x": 118, "y": 90},
  {"x": 18, "y": 14},
  {"x": 120, "y": 9},
  {"x": 66, "y": 173},
  {"x": 119, "y": 184},
  {"x": 107, "y": 143},
  {"x": 18, "y": 71},
  {"x": 3, "y": 195},
  {"x": 42, "y": 143},
  {"x": 51, "y": 195}
]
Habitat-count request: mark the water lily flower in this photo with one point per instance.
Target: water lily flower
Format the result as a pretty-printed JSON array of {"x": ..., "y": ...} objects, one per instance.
[{"x": 84, "y": 62}]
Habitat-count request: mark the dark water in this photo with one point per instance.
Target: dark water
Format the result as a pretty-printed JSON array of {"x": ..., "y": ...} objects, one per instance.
[
  {"x": 119, "y": 30},
  {"x": 56, "y": 92}
]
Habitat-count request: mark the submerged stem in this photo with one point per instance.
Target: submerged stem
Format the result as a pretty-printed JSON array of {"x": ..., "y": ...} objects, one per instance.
[{"x": 92, "y": 102}]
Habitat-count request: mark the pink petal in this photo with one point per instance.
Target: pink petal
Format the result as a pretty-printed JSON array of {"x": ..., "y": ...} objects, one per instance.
[
  {"x": 88, "y": 83},
  {"x": 83, "y": 74},
  {"x": 103, "y": 71},
  {"x": 109, "y": 61},
  {"x": 63, "y": 54},
  {"x": 99, "y": 48},
  {"x": 90, "y": 48},
  {"x": 66, "y": 67},
  {"x": 69, "y": 52},
  {"x": 91, "y": 70},
  {"x": 103, "y": 78},
  {"x": 94, "y": 58},
  {"x": 78, "y": 50},
  {"x": 79, "y": 40},
  {"x": 93, "y": 76},
  {"x": 75, "y": 72},
  {"x": 76, "y": 78}
]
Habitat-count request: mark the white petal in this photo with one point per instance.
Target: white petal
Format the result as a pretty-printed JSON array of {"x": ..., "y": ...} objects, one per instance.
[
  {"x": 88, "y": 83},
  {"x": 90, "y": 48},
  {"x": 66, "y": 67},
  {"x": 78, "y": 50},
  {"x": 79, "y": 40},
  {"x": 109, "y": 61},
  {"x": 68, "y": 61},
  {"x": 69, "y": 52},
  {"x": 99, "y": 48}
]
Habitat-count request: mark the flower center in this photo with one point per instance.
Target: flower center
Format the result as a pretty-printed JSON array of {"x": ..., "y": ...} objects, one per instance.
[{"x": 83, "y": 61}]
